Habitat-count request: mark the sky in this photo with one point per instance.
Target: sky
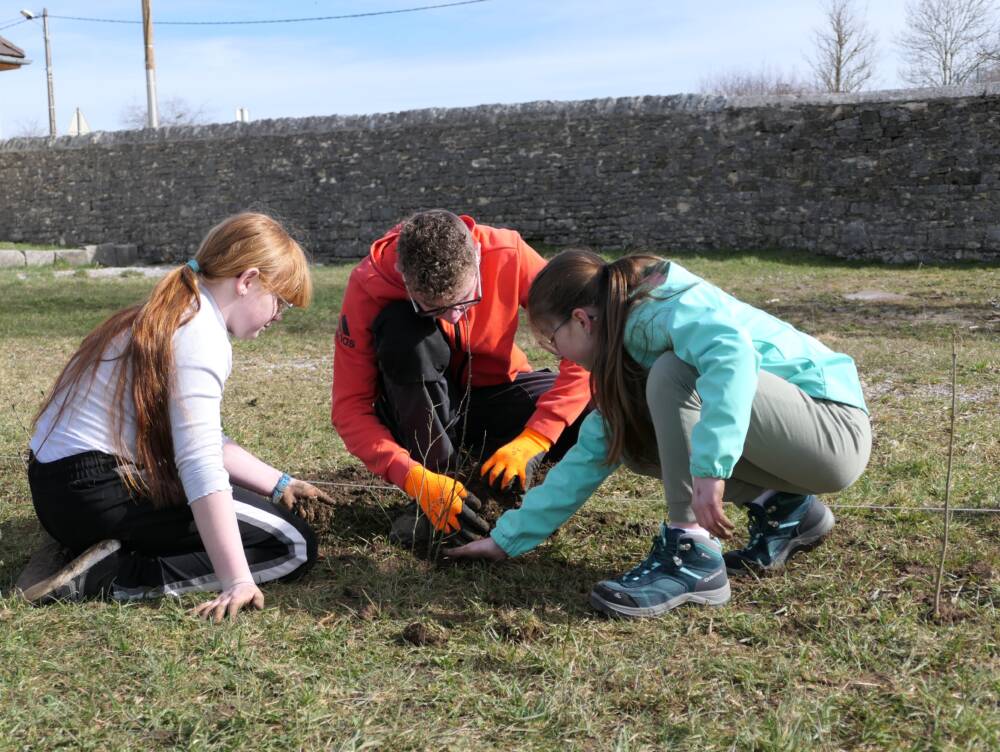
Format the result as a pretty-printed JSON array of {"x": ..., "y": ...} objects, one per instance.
[{"x": 497, "y": 51}]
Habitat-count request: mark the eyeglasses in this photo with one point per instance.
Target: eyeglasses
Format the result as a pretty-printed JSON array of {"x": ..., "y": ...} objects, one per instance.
[
  {"x": 282, "y": 304},
  {"x": 549, "y": 343},
  {"x": 461, "y": 307}
]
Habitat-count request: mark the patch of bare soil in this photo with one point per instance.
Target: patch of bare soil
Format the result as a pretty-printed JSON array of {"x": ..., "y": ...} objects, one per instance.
[
  {"x": 518, "y": 628},
  {"x": 361, "y": 502},
  {"x": 888, "y": 313},
  {"x": 422, "y": 634},
  {"x": 494, "y": 501},
  {"x": 949, "y": 613}
]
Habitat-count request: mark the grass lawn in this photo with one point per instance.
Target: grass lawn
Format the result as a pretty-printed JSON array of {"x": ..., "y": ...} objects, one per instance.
[
  {"x": 840, "y": 652},
  {"x": 6, "y": 244}
]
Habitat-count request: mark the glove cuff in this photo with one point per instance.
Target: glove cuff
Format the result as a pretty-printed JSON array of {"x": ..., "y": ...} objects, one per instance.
[
  {"x": 544, "y": 443},
  {"x": 414, "y": 480},
  {"x": 399, "y": 471}
]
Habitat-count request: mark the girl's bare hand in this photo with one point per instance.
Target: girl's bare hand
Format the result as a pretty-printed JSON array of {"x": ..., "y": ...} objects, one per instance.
[
  {"x": 484, "y": 548},
  {"x": 299, "y": 490},
  {"x": 706, "y": 503},
  {"x": 230, "y": 601}
]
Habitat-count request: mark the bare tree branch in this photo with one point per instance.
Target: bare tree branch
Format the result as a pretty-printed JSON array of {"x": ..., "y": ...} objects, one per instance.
[
  {"x": 844, "y": 60},
  {"x": 29, "y": 128},
  {"x": 765, "y": 82},
  {"x": 946, "y": 42},
  {"x": 173, "y": 111}
]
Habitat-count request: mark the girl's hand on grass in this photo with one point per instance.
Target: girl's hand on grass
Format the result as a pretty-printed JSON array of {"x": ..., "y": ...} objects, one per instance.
[
  {"x": 484, "y": 548},
  {"x": 299, "y": 491},
  {"x": 706, "y": 503},
  {"x": 230, "y": 601}
]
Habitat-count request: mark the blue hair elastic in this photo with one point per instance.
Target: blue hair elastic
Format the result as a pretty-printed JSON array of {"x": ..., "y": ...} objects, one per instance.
[{"x": 193, "y": 264}]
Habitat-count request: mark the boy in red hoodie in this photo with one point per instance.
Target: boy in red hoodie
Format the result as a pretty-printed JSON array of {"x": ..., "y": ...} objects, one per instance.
[{"x": 425, "y": 364}]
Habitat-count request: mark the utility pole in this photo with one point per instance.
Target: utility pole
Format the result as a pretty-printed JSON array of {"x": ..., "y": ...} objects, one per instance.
[
  {"x": 48, "y": 73},
  {"x": 153, "y": 116},
  {"x": 30, "y": 15}
]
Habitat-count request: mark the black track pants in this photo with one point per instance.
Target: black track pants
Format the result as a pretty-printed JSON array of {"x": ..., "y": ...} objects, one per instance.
[{"x": 82, "y": 499}]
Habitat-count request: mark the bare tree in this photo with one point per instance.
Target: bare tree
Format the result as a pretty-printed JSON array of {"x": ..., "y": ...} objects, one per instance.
[
  {"x": 765, "y": 82},
  {"x": 946, "y": 41},
  {"x": 29, "y": 129},
  {"x": 844, "y": 60},
  {"x": 172, "y": 111},
  {"x": 990, "y": 74}
]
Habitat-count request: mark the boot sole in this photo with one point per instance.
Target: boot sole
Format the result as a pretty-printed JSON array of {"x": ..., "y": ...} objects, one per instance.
[
  {"x": 93, "y": 555},
  {"x": 799, "y": 544},
  {"x": 718, "y": 597},
  {"x": 46, "y": 560}
]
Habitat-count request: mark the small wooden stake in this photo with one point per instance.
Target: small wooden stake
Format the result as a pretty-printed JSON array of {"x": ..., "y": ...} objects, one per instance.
[{"x": 947, "y": 484}]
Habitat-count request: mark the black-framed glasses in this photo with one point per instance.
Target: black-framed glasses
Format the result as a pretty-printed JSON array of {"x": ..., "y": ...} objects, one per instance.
[{"x": 461, "y": 307}]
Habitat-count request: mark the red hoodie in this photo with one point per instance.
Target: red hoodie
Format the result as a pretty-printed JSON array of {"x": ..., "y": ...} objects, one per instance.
[{"x": 507, "y": 267}]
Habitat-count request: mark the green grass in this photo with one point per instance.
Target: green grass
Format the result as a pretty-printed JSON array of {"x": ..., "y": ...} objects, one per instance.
[
  {"x": 8, "y": 245},
  {"x": 841, "y": 652}
]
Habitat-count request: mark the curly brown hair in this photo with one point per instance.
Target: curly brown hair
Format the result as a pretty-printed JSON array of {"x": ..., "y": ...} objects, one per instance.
[{"x": 436, "y": 254}]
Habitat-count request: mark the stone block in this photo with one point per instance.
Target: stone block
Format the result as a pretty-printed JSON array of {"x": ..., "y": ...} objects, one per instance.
[
  {"x": 854, "y": 236},
  {"x": 10, "y": 258},
  {"x": 105, "y": 254},
  {"x": 127, "y": 254},
  {"x": 77, "y": 256},
  {"x": 39, "y": 258}
]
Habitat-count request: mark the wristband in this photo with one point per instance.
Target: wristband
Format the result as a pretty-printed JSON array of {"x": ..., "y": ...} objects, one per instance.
[{"x": 279, "y": 487}]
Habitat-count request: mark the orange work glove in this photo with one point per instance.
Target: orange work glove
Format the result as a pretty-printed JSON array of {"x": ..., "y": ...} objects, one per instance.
[
  {"x": 517, "y": 460},
  {"x": 438, "y": 495}
]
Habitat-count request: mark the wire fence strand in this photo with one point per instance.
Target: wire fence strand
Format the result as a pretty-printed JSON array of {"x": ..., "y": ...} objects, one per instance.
[{"x": 633, "y": 499}]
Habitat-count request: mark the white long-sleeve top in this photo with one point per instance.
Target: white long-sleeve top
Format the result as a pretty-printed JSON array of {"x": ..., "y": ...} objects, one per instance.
[{"x": 203, "y": 357}]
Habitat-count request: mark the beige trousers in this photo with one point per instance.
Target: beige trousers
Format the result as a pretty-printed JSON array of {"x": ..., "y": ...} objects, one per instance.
[{"x": 795, "y": 443}]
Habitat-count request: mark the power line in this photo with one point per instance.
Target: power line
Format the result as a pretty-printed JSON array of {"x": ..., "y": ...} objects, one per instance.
[
  {"x": 274, "y": 20},
  {"x": 15, "y": 23}
]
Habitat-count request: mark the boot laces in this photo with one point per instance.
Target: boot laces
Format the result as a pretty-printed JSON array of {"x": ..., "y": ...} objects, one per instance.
[
  {"x": 663, "y": 554},
  {"x": 759, "y": 524}
]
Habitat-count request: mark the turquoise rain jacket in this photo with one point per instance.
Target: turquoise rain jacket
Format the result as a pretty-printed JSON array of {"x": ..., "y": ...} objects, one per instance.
[{"x": 727, "y": 342}]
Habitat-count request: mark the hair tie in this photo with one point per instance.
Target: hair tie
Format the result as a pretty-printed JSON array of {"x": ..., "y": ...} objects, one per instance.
[{"x": 193, "y": 264}]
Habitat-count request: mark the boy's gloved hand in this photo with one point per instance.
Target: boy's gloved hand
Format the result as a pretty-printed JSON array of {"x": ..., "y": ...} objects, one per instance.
[
  {"x": 517, "y": 460},
  {"x": 446, "y": 502}
]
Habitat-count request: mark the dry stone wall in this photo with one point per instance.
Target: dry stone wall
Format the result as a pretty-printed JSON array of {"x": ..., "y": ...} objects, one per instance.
[{"x": 889, "y": 176}]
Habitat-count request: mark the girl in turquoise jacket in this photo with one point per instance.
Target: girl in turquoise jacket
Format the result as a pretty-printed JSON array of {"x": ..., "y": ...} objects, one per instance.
[{"x": 720, "y": 400}]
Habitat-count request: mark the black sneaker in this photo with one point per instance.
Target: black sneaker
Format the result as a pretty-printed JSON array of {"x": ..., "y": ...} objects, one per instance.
[
  {"x": 46, "y": 560},
  {"x": 79, "y": 579},
  {"x": 780, "y": 527},
  {"x": 679, "y": 569}
]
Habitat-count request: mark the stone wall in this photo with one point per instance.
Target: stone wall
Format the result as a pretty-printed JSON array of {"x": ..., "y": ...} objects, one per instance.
[{"x": 891, "y": 176}]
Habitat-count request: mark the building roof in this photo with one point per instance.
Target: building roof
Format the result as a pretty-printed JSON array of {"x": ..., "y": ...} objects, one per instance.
[{"x": 11, "y": 56}]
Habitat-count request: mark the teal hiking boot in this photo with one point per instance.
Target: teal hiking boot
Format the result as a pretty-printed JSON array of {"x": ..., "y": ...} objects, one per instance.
[
  {"x": 679, "y": 569},
  {"x": 780, "y": 527}
]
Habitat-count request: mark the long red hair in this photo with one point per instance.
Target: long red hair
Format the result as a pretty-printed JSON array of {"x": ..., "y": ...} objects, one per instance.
[{"x": 145, "y": 364}]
